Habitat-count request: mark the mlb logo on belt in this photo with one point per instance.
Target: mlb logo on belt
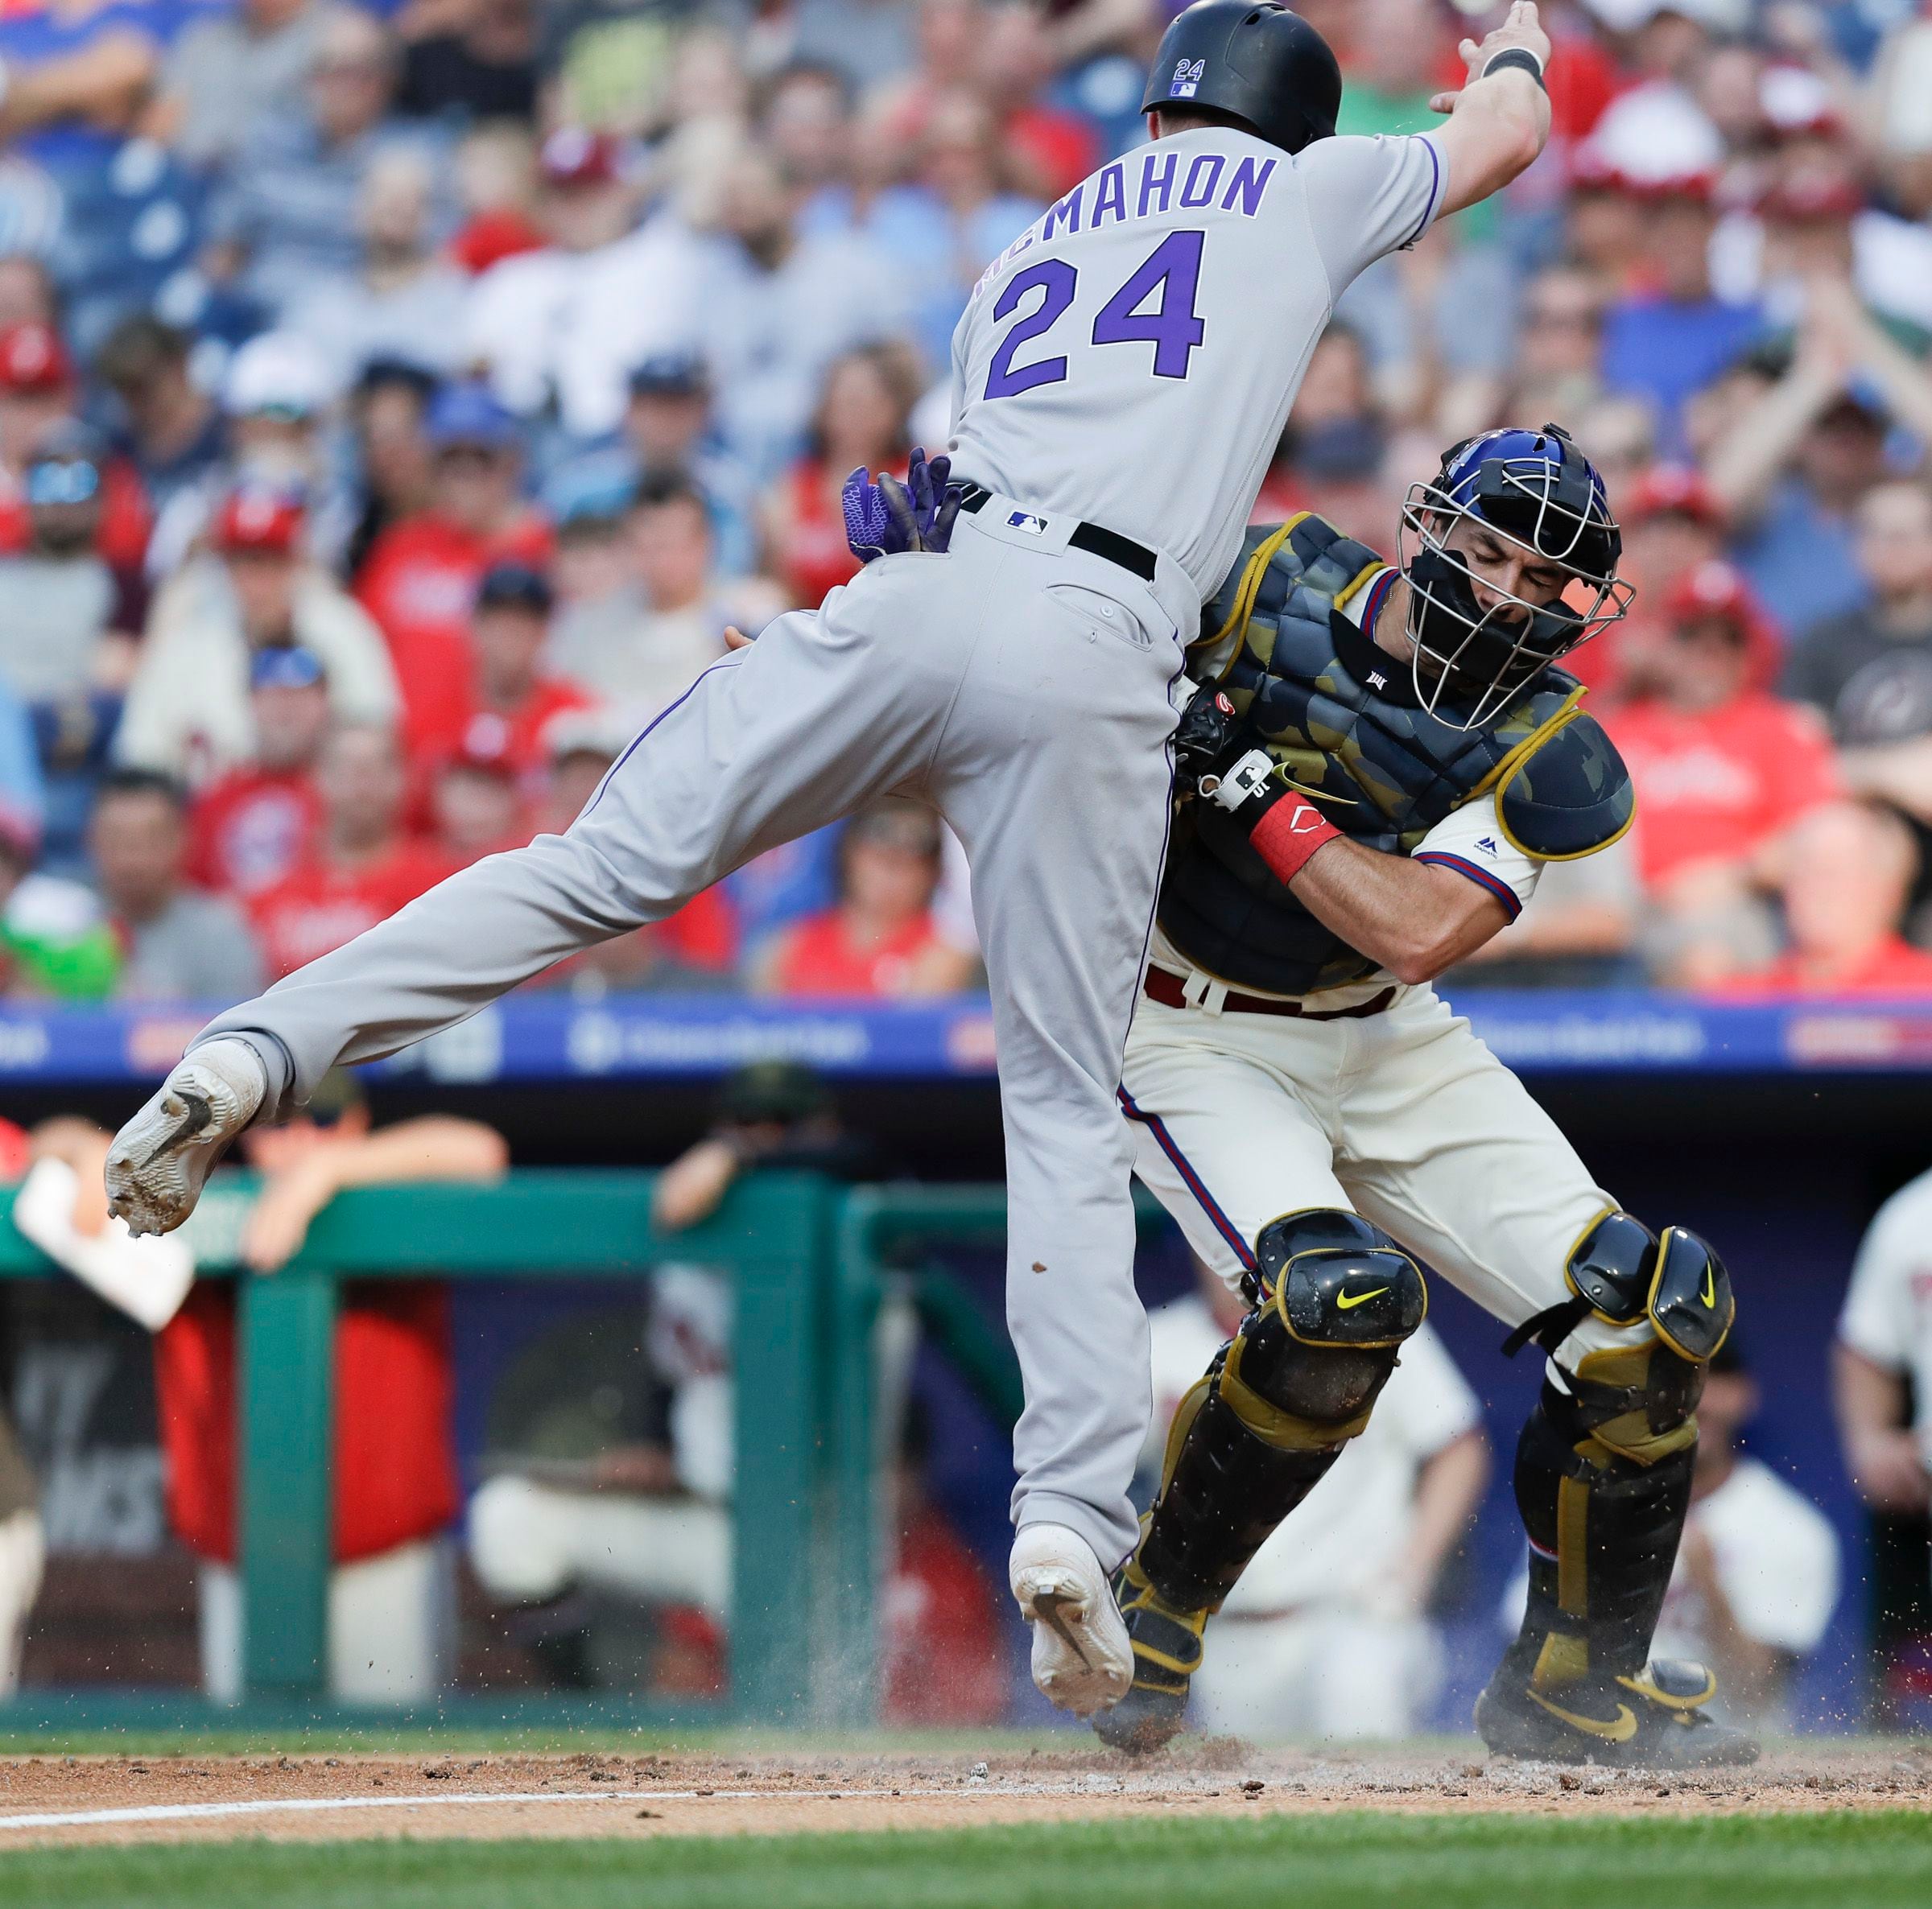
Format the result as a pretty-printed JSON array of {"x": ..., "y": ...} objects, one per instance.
[
  {"x": 1186, "y": 78},
  {"x": 1024, "y": 519}
]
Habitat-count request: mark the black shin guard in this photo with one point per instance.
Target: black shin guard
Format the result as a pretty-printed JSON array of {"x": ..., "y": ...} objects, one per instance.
[
  {"x": 1603, "y": 1469},
  {"x": 1224, "y": 1495},
  {"x": 1288, "y": 1391},
  {"x": 1603, "y": 1530}
]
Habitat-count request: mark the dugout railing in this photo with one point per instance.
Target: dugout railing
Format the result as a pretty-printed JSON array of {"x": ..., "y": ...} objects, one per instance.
[
  {"x": 890, "y": 1240},
  {"x": 772, "y": 1234}
]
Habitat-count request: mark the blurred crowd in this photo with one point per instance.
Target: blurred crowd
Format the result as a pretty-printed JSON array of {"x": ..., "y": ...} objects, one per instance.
[{"x": 398, "y": 402}]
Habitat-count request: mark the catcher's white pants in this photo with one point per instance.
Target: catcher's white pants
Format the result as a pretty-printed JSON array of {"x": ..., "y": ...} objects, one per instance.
[
  {"x": 22, "y": 1557},
  {"x": 391, "y": 1627},
  {"x": 530, "y": 1542},
  {"x": 1404, "y": 1117},
  {"x": 1325, "y": 1676},
  {"x": 1022, "y": 687}
]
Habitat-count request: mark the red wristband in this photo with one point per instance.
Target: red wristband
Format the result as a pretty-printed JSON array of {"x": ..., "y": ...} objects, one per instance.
[{"x": 1288, "y": 834}]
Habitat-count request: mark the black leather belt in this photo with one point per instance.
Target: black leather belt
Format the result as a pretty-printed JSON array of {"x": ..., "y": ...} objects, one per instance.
[{"x": 1090, "y": 538}]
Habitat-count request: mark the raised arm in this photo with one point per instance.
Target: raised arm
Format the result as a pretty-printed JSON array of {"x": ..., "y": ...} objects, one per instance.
[{"x": 1499, "y": 121}]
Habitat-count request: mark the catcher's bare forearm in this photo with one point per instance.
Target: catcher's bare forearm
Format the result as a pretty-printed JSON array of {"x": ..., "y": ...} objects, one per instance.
[{"x": 1415, "y": 919}]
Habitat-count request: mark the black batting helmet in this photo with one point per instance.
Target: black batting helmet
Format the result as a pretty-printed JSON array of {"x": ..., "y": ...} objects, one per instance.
[{"x": 1265, "y": 66}]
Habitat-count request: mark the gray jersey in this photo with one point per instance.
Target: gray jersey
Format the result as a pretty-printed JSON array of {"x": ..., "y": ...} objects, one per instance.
[{"x": 1131, "y": 357}]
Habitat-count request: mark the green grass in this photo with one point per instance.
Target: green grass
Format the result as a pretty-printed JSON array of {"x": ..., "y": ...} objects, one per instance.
[
  {"x": 381, "y": 1738},
  {"x": 1838, "y": 1860}
]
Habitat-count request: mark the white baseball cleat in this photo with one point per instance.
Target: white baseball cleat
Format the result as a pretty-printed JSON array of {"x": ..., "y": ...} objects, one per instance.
[
  {"x": 159, "y": 1159},
  {"x": 1082, "y": 1659}
]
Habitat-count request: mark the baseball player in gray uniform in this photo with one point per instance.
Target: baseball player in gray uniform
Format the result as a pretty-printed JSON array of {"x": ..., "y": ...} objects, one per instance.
[{"x": 1121, "y": 377}]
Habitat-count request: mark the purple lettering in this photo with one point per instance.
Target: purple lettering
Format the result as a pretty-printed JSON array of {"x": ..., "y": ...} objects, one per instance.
[
  {"x": 1112, "y": 196},
  {"x": 1248, "y": 184},
  {"x": 1151, "y": 180},
  {"x": 1215, "y": 164},
  {"x": 1066, "y": 212}
]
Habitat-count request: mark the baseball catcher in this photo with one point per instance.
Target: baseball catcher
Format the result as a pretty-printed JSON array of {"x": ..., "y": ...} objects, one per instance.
[{"x": 1380, "y": 762}]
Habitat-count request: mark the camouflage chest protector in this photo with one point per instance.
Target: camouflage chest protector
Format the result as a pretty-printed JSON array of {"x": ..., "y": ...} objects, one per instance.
[{"x": 1341, "y": 717}]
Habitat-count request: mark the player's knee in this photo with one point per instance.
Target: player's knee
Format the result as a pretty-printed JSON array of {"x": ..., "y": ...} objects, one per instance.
[
  {"x": 1341, "y": 1298},
  {"x": 1670, "y": 1302}
]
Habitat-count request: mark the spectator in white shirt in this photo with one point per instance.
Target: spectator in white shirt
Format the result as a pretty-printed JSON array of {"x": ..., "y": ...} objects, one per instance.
[
  {"x": 188, "y": 713},
  {"x": 1325, "y": 1636},
  {"x": 404, "y": 301},
  {"x": 1757, "y": 1572},
  {"x": 1883, "y": 1358},
  {"x": 562, "y": 325}
]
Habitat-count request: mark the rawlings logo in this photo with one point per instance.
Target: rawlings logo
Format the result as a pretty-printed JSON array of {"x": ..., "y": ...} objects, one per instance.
[{"x": 1186, "y": 78}]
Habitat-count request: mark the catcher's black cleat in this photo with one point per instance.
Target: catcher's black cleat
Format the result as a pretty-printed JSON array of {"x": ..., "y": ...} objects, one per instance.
[
  {"x": 1167, "y": 1653},
  {"x": 1653, "y": 1720}
]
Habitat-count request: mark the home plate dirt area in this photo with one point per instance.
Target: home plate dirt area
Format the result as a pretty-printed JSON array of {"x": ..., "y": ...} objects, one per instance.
[{"x": 63, "y": 1801}]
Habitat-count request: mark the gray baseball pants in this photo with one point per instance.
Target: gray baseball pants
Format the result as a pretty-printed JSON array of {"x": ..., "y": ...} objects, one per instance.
[{"x": 1024, "y": 688}]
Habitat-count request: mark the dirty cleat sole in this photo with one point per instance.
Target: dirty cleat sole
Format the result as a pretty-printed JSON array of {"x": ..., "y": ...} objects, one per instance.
[
  {"x": 1082, "y": 1661},
  {"x": 161, "y": 1158}
]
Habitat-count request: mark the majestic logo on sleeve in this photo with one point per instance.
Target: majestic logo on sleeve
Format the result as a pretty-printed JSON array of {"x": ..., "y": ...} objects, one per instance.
[{"x": 1186, "y": 78}]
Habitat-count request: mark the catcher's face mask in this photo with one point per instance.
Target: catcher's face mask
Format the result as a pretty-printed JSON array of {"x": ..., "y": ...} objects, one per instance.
[{"x": 1511, "y": 554}]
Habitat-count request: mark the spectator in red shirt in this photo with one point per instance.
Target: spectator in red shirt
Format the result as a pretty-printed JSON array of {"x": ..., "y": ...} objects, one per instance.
[
  {"x": 944, "y": 1663},
  {"x": 1332, "y": 454},
  {"x": 512, "y": 699},
  {"x": 419, "y": 581},
  {"x": 255, "y": 826},
  {"x": 695, "y": 949},
  {"x": 475, "y": 804},
  {"x": 1052, "y": 148},
  {"x": 364, "y": 868},
  {"x": 37, "y": 391},
  {"x": 39, "y": 394},
  {"x": 1672, "y": 524},
  {"x": 1849, "y": 872},
  {"x": 879, "y": 938},
  {"x": 393, "y": 1478},
  {"x": 1722, "y": 769},
  {"x": 868, "y": 395},
  {"x": 387, "y": 411}
]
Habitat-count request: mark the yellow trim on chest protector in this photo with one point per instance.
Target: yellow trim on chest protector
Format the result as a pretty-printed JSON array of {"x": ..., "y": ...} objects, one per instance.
[
  {"x": 1250, "y": 586},
  {"x": 1498, "y": 780}
]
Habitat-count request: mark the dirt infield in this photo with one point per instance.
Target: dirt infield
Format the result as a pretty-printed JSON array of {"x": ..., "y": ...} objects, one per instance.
[{"x": 67, "y": 1801}]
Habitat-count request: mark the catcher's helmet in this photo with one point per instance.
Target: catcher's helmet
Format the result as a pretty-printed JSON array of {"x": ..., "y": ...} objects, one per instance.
[
  {"x": 1252, "y": 59},
  {"x": 1533, "y": 490}
]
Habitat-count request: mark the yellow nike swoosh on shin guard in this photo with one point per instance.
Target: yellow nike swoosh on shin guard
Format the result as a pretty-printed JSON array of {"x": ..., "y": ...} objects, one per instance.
[
  {"x": 1709, "y": 1292},
  {"x": 1619, "y": 1729},
  {"x": 1346, "y": 1300}
]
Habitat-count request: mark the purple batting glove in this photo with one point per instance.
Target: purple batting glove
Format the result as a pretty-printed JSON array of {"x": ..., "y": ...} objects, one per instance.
[
  {"x": 888, "y": 518},
  {"x": 868, "y": 523},
  {"x": 924, "y": 507}
]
